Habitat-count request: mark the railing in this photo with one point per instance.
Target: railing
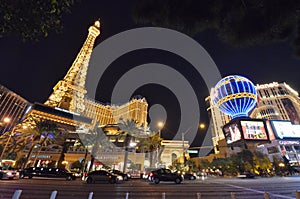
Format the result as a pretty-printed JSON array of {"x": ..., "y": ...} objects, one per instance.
[{"x": 18, "y": 193}]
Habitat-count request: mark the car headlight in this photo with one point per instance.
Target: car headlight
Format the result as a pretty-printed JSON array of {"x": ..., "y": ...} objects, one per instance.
[
  {"x": 9, "y": 173},
  {"x": 120, "y": 178}
]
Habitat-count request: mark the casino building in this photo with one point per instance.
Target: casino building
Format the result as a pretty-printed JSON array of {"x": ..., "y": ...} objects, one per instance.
[
  {"x": 279, "y": 104},
  {"x": 277, "y": 101},
  {"x": 12, "y": 109},
  {"x": 72, "y": 110}
]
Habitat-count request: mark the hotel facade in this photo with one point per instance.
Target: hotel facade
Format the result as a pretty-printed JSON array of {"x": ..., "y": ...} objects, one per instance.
[{"x": 277, "y": 102}]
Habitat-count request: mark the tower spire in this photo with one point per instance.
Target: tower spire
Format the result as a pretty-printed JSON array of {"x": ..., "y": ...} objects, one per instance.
[{"x": 69, "y": 92}]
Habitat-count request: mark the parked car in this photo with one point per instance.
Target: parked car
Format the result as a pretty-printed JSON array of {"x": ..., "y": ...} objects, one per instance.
[
  {"x": 7, "y": 173},
  {"x": 189, "y": 176},
  {"x": 102, "y": 176},
  {"x": 47, "y": 172},
  {"x": 165, "y": 175},
  {"x": 125, "y": 176},
  {"x": 246, "y": 175}
]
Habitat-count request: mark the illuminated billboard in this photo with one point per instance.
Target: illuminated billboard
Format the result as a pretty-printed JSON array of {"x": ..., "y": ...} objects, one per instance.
[
  {"x": 245, "y": 130},
  {"x": 232, "y": 133},
  {"x": 254, "y": 130},
  {"x": 285, "y": 129},
  {"x": 270, "y": 131}
]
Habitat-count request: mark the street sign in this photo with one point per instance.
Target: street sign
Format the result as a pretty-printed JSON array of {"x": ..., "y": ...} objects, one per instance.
[{"x": 192, "y": 151}]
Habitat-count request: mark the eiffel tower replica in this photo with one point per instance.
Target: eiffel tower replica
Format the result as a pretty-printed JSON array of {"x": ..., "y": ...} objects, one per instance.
[{"x": 69, "y": 93}]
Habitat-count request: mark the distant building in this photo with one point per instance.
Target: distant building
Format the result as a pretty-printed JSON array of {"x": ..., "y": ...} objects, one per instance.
[
  {"x": 277, "y": 101},
  {"x": 12, "y": 109},
  {"x": 218, "y": 119},
  {"x": 175, "y": 151}
]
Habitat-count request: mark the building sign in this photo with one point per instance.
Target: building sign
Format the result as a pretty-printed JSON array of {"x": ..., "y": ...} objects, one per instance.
[
  {"x": 286, "y": 142},
  {"x": 42, "y": 156},
  {"x": 192, "y": 151},
  {"x": 270, "y": 85},
  {"x": 254, "y": 130},
  {"x": 285, "y": 129}
]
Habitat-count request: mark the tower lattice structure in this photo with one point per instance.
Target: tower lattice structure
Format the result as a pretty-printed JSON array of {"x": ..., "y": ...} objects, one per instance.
[{"x": 69, "y": 93}]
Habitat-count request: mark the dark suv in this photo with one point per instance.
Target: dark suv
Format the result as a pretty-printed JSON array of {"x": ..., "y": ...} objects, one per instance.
[
  {"x": 47, "y": 172},
  {"x": 165, "y": 175}
]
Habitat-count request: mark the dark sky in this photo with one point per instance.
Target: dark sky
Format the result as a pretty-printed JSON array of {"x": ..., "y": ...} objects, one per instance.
[{"x": 32, "y": 69}]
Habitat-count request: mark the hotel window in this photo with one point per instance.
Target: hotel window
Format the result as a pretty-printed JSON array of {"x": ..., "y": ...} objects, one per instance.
[
  {"x": 297, "y": 148},
  {"x": 289, "y": 149},
  {"x": 267, "y": 93},
  {"x": 260, "y": 93},
  {"x": 272, "y": 149}
]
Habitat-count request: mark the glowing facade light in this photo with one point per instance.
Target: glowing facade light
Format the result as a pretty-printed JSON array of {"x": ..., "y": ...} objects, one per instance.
[
  {"x": 160, "y": 125},
  {"x": 6, "y": 120},
  {"x": 235, "y": 96}
]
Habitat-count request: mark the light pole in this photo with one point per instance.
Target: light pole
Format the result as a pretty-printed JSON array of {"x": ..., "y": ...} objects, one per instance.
[
  {"x": 183, "y": 149},
  {"x": 160, "y": 125}
]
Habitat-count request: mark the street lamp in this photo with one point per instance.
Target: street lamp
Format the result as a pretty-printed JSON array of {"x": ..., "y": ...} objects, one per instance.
[
  {"x": 202, "y": 126},
  {"x": 6, "y": 120},
  {"x": 183, "y": 149},
  {"x": 160, "y": 126}
]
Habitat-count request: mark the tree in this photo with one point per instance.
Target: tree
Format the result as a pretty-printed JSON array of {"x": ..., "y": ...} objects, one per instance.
[
  {"x": 41, "y": 134},
  {"x": 261, "y": 162},
  {"x": 237, "y": 22},
  {"x": 32, "y": 19},
  {"x": 243, "y": 160},
  {"x": 151, "y": 145},
  {"x": 95, "y": 141},
  {"x": 130, "y": 130}
]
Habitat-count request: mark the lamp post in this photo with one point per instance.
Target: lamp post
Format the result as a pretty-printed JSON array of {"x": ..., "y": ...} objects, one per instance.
[
  {"x": 202, "y": 126},
  {"x": 160, "y": 125},
  {"x": 183, "y": 149}
]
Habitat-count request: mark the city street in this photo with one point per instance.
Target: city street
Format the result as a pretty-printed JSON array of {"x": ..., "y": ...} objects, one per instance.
[{"x": 277, "y": 187}]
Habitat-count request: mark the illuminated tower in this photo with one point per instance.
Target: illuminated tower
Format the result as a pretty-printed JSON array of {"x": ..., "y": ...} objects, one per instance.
[{"x": 69, "y": 92}]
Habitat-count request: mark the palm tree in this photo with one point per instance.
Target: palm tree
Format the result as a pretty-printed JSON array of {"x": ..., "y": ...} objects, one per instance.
[
  {"x": 42, "y": 133},
  {"x": 95, "y": 141},
  {"x": 130, "y": 131}
]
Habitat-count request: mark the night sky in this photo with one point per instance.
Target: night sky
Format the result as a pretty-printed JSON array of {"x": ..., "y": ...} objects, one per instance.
[{"x": 32, "y": 69}]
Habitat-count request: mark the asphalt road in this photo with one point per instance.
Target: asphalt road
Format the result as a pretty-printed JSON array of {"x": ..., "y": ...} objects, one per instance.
[{"x": 210, "y": 188}]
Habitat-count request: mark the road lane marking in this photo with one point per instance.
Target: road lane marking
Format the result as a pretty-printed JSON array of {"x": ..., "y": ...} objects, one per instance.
[{"x": 262, "y": 192}]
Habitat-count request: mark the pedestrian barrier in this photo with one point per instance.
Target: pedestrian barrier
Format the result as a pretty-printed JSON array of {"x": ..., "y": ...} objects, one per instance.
[
  {"x": 18, "y": 193},
  {"x": 297, "y": 194},
  {"x": 53, "y": 195}
]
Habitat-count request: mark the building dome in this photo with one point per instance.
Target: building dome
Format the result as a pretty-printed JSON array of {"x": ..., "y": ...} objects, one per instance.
[{"x": 234, "y": 95}]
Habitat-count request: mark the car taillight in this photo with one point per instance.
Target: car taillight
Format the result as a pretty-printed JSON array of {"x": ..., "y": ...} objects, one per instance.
[
  {"x": 151, "y": 174},
  {"x": 85, "y": 174}
]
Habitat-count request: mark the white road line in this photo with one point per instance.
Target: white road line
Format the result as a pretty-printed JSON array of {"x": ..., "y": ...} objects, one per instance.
[{"x": 262, "y": 192}]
